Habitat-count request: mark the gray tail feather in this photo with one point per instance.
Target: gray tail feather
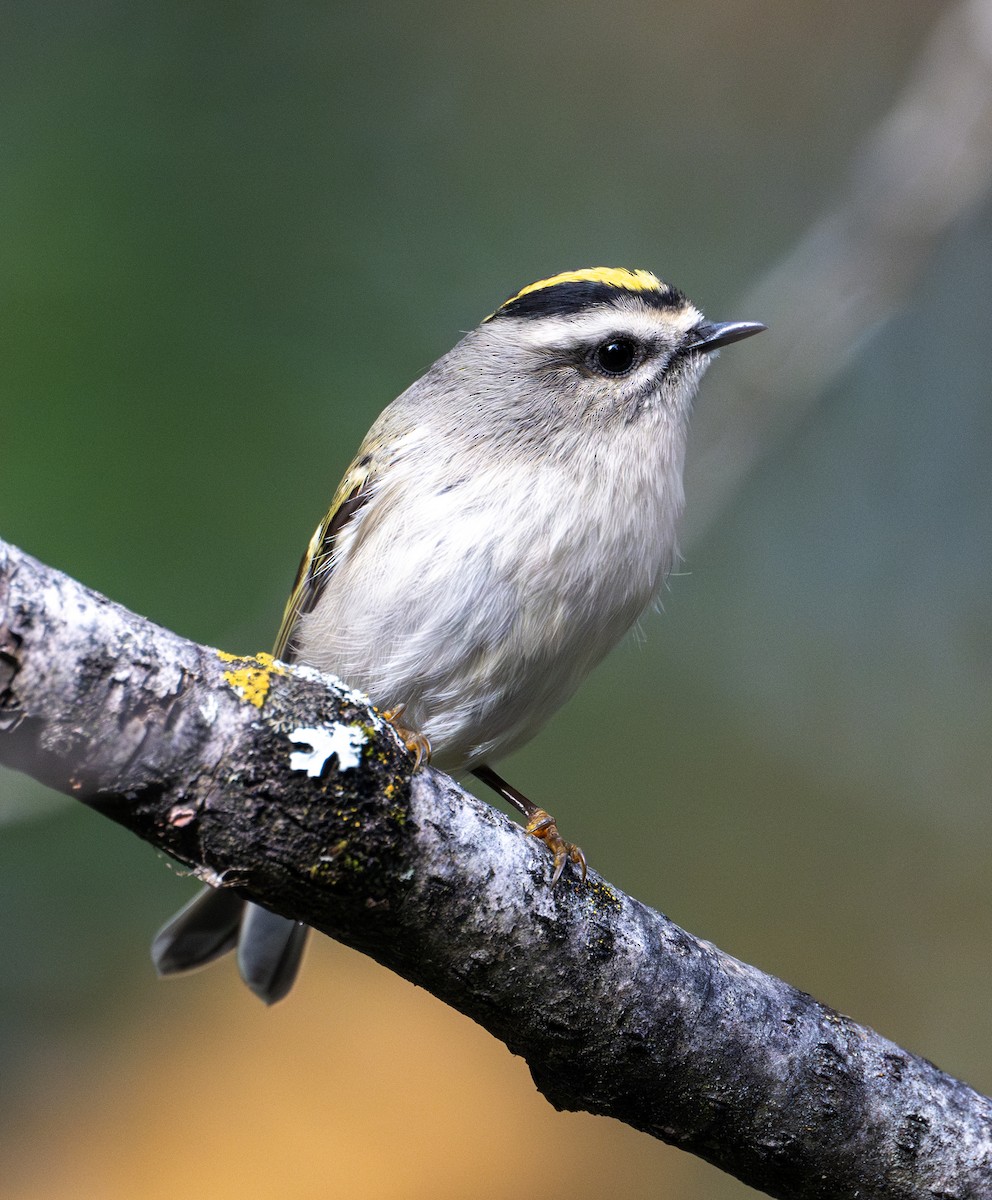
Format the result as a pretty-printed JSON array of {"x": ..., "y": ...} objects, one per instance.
[{"x": 270, "y": 948}]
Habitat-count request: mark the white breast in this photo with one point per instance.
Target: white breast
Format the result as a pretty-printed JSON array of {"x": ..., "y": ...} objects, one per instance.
[{"x": 480, "y": 607}]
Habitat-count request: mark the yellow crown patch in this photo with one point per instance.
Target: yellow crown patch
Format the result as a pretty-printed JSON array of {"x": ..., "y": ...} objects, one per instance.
[{"x": 618, "y": 277}]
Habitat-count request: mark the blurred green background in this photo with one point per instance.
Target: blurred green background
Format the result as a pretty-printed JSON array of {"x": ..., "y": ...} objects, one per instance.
[{"x": 230, "y": 234}]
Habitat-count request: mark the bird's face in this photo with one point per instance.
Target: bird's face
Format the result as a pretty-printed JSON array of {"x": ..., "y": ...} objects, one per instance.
[{"x": 591, "y": 348}]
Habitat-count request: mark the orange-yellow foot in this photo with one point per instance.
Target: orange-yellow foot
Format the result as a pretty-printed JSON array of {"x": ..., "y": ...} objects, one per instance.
[
  {"x": 417, "y": 743},
  {"x": 542, "y": 825}
]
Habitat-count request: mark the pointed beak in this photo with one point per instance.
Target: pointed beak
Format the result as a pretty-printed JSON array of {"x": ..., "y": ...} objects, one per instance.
[{"x": 709, "y": 335}]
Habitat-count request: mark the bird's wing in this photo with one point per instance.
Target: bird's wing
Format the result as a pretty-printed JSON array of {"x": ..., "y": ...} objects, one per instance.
[{"x": 318, "y": 561}]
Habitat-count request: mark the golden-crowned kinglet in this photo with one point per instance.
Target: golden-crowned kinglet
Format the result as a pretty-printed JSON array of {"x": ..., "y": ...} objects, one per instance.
[{"x": 504, "y": 523}]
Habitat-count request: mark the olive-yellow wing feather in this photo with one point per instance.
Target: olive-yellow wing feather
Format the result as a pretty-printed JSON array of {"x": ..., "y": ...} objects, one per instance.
[{"x": 318, "y": 560}]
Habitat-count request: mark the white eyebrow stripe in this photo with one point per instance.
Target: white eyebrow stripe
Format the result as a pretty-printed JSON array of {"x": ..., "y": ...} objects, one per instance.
[{"x": 585, "y": 328}]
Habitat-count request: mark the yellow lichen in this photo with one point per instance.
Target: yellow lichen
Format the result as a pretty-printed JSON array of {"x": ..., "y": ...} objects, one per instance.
[
  {"x": 600, "y": 896},
  {"x": 252, "y": 680}
]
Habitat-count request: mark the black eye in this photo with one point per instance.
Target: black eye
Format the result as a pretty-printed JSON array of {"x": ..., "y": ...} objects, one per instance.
[{"x": 616, "y": 355}]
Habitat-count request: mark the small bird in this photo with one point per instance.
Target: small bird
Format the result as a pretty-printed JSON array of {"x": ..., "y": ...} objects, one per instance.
[{"x": 503, "y": 524}]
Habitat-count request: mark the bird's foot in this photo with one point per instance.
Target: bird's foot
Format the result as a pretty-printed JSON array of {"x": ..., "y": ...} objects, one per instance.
[
  {"x": 417, "y": 743},
  {"x": 542, "y": 825}
]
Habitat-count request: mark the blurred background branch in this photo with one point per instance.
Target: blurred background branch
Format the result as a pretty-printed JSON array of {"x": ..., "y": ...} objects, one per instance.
[{"x": 923, "y": 166}]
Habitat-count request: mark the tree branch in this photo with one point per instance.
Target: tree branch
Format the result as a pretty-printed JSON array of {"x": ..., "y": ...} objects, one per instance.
[{"x": 283, "y": 784}]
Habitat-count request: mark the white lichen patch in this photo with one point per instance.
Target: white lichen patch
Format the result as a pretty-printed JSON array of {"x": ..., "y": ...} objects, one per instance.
[{"x": 326, "y": 741}]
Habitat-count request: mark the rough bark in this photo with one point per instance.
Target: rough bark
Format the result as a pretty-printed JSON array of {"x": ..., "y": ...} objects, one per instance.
[{"x": 281, "y": 783}]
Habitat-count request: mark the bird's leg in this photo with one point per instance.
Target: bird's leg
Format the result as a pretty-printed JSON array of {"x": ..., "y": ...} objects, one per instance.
[
  {"x": 417, "y": 743},
  {"x": 539, "y": 823}
]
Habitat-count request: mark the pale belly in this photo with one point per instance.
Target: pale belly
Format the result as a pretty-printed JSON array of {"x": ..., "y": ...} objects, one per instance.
[{"x": 480, "y": 637}]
